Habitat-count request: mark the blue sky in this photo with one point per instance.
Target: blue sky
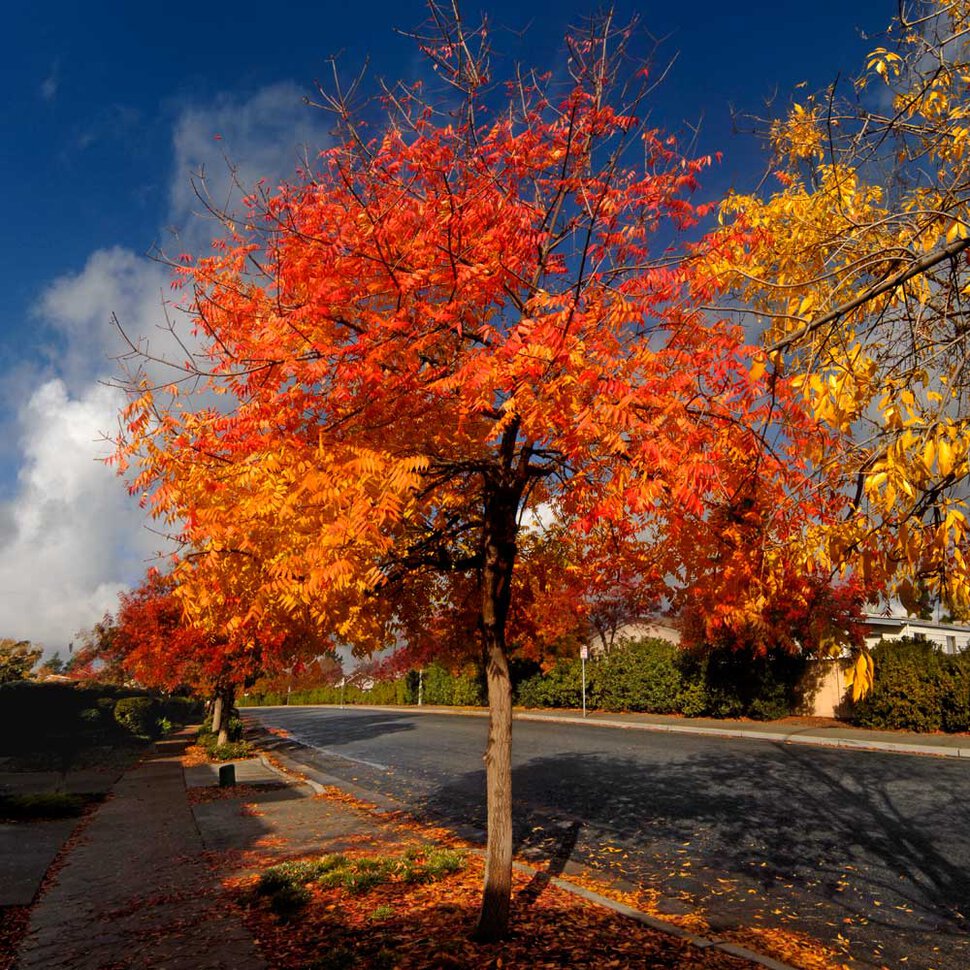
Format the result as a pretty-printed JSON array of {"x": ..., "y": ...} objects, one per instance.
[{"x": 107, "y": 109}]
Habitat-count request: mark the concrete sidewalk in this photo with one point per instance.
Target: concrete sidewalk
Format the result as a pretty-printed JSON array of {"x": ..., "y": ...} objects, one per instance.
[{"x": 136, "y": 891}]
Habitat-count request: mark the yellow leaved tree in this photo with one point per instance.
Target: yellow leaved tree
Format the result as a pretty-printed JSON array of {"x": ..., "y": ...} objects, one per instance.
[{"x": 857, "y": 270}]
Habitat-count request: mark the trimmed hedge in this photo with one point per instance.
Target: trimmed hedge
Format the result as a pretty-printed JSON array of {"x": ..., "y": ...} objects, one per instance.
[
  {"x": 917, "y": 687},
  {"x": 464, "y": 689},
  {"x": 657, "y": 677},
  {"x": 65, "y": 718},
  {"x": 139, "y": 715}
]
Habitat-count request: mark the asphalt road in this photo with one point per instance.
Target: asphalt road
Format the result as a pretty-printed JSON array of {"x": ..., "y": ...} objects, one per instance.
[{"x": 867, "y": 851}]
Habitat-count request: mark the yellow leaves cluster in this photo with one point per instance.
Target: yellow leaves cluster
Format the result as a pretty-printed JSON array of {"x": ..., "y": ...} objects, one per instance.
[
  {"x": 801, "y": 136},
  {"x": 854, "y": 264},
  {"x": 884, "y": 63},
  {"x": 860, "y": 676}
]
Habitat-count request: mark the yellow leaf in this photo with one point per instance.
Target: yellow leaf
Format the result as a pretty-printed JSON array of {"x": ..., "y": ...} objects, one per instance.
[{"x": 944, "y": 457}]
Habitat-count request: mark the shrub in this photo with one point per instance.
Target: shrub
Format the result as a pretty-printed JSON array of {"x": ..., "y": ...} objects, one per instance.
[
  {"x": 639, "y": 675},
  {"x": 560, "y": 686},
  {"x": 916, "y": 688},
  {"x": 180, "y": 710},
  {"x": 139, "y": 715},
  {"x": 956, "y": 695},
  {"x": 441, "y": 686},
  {"x": 726, "y": 682}
]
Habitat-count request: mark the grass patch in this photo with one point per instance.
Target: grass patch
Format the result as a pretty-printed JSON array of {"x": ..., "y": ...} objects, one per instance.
[
  {"x": 286, "y": 884},
  {"x": 42, "y": 806},
  {"x": 231, "y": 751}
]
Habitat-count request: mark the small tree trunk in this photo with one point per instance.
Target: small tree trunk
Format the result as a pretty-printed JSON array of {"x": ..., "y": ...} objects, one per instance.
[
  {"x": 227, "y": 696},
  {"x": 493, "y": 920},
  {"x": 499, "y": 548},
  {"x": 217, "y": 712}
]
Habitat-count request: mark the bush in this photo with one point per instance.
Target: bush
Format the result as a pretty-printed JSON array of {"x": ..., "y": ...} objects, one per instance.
[
  {"x": 956, "y": 695},
  {"x": 180, "y": 710},
  {"x": 139, "y": 715},
  {"x": 725, "y": 682},
  {"x": 639, "y": 675},
  {"x": 561, "y": 686},
  {"x": 917, "y": 688},
  {"x": 440, "y": 686}
]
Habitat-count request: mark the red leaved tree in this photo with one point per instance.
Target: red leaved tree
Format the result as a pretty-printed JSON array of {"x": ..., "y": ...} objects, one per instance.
[{"x": 470, "y": 320}]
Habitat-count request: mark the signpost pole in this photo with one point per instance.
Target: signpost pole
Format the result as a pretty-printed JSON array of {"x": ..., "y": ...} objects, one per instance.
[{"x": 583, "y": 654}]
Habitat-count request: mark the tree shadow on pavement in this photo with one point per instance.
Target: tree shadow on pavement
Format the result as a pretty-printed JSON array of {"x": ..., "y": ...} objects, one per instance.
[{"x": 834, "y": 839}]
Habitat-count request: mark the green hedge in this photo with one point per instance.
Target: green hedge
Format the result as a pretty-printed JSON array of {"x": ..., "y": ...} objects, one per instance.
[
  {"x": 140, "y": 715},
  {"x": 917, "y": 687},
  {"x": 440, "y": 686},
  {"x": 657, "y": 677},
  {"x": 647, "y": 675},
  {"x": 66, "y": 718}
]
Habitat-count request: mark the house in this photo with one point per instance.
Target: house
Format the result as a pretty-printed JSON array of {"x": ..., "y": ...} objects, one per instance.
[{"x": 951, "y": 637}]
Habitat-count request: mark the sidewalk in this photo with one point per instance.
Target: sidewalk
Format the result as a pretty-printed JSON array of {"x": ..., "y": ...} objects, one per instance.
[{"x": 137, "y": 890}]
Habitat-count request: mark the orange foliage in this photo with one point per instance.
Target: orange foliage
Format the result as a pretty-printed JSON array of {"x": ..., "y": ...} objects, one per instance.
[{"x": 446, "y": 331}]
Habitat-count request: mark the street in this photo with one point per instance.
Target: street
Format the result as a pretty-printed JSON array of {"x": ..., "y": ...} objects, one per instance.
[{"x": 858, "y": 849}]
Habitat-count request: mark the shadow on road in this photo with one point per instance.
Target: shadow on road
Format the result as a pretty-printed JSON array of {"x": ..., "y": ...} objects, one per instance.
[{"x": 840, "y": 842}]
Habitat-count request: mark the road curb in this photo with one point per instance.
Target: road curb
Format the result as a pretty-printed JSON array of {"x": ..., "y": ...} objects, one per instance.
[
  {"x": 778, "y": 737},
  {"x": 319, "y": 780},
  {"x": 671, "y": 929}
]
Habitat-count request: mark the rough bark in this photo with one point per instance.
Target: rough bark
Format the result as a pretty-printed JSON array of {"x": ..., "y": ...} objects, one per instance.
[{"x": 499, "y": 543}]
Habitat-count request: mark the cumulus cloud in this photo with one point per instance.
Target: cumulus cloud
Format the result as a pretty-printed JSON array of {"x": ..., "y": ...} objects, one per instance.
[
  {"x": 79, "y": 309},
  {"x": 70, "y": 536}
]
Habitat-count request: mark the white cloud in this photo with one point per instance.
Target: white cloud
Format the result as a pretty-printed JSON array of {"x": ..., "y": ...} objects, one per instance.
[
  {"x": 234, "y": 143},
  {"x": 71, "y": 538},
  {"x": 79, "y": 307}
]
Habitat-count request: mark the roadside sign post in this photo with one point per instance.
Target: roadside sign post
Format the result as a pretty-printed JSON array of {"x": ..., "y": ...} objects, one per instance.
[{"x": 583, "y": 654}]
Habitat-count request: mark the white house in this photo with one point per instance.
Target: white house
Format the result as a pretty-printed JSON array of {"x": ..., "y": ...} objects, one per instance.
[{"x": 952, "y": 637}]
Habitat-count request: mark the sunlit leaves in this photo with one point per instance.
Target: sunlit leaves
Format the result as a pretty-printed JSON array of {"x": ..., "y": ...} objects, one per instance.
[{"x": 857, "y": 266}]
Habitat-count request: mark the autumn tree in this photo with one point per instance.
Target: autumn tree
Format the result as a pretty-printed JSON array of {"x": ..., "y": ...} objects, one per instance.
[
  {"x": 469, "y": 317},
  {"x": 857, "y": 266},
  {"x": 159, "y": 644}
]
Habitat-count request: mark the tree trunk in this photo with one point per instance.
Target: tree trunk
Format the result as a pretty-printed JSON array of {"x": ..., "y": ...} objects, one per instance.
[
  {"x": 227, "y": 696},
  {"x": 217, "y": 712},
  {"x": 499, "y": 529}
]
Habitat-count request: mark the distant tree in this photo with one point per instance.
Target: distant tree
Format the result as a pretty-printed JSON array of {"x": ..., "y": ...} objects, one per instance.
[
  {"x": 17, "y": 659},
  {"x": 53, "y": 665},
  {"x": 94, "y": 654}
]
